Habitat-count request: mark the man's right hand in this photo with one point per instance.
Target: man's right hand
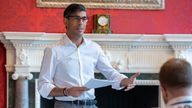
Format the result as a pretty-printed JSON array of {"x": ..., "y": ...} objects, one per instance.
[{"x": 75, "y": 91}]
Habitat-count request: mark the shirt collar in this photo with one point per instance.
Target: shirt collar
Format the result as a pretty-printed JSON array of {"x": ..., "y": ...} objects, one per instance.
[
  {"x": 179, "y": 99},
  {"x": 67, "y": 41}
]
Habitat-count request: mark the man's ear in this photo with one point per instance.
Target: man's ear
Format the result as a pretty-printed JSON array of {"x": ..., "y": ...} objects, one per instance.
[
  {"x": 65, "y": 21},
  {"x": 164, "y": 90}
]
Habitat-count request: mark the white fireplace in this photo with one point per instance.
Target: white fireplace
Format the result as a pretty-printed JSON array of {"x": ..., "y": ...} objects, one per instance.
[{"x": 128, "y": 53}]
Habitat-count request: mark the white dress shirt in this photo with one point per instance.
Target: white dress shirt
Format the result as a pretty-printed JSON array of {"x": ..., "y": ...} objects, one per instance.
[
  {"x": 180, "y": 102},
  {"x": 67, "y": 66}
]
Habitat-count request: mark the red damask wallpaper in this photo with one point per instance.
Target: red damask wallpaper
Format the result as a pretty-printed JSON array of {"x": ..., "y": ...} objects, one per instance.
[{"x": 23, "y": 15}]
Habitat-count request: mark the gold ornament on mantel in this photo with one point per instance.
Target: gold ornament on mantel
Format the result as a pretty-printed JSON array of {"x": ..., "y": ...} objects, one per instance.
[{"x": 102, "y": 23}]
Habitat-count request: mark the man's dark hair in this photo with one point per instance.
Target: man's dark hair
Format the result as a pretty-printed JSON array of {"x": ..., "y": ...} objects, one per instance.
[
  {"x": 176, "y": 73},
  {"x": 72, "y": 8}
]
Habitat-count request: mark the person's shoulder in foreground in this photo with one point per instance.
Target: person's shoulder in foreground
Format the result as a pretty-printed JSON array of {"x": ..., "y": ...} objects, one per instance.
[{"x": 175, "y": 78}]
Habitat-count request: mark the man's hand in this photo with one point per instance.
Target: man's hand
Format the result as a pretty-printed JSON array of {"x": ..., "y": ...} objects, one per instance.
[
  {"x": 75, "y": 91},
  {"x": 129, "y": 83}
]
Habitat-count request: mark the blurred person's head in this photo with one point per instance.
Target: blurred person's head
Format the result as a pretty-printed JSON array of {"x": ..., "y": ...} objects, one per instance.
[{"x": 175, "y": 78}]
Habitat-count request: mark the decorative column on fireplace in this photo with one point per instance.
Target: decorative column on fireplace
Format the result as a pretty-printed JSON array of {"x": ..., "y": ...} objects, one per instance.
[
  {"x": 128, "y": 53},
  {"x": 21, "y": 75},
  {"x": 20, "y": 66}
]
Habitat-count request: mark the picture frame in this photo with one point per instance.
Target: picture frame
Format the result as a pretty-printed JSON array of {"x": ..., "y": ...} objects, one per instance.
[{"x": 106, "y": 4}]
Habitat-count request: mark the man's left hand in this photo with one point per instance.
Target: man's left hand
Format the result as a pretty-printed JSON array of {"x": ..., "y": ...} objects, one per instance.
[{"x": 129, "y": 83}]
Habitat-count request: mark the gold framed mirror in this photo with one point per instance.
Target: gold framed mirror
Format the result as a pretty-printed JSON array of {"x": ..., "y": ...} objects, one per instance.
[{"x": 106, "y": 4}]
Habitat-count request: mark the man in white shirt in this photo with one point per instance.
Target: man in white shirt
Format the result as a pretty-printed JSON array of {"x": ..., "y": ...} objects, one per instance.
[
  {"x": 176, "y": 83},
  {"x": 67, "y": 67}
]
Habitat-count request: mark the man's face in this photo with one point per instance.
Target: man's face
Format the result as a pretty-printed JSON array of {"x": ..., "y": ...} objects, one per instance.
[{"x": 76, "y": 23}]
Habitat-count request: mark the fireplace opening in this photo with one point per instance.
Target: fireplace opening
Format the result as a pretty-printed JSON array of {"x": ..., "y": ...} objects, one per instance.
[{"x": 139, "y": 97}]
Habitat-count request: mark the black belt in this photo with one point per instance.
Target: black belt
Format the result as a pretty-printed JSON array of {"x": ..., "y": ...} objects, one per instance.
[{"x": 82, "y": 102}]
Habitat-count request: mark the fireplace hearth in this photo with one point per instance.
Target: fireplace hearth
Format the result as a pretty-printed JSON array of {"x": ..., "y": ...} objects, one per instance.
[{"x": 139, "y": 97}]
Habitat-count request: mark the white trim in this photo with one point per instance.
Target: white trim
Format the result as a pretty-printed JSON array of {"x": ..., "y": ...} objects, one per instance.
[
  {"x": 147, "y": 82},
  {"x": 37, "y": 95}
]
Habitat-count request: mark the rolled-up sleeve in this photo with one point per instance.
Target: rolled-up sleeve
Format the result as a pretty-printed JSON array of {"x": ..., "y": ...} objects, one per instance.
[
  {"x": 104, "y": 66},
  {"x": 45, "y": 81}
]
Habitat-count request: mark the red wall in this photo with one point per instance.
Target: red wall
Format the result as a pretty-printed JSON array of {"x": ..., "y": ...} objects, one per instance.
[{"x": 22, "y": 15}]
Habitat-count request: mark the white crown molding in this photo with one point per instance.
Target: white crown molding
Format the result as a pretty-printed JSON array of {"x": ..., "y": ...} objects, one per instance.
[
  {"x": 42, "y": 36},
  {"x": 178, "y": 37}
]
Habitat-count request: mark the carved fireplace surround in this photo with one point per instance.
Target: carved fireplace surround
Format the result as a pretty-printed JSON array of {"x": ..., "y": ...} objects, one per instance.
[{"x": 128, "y": 53}]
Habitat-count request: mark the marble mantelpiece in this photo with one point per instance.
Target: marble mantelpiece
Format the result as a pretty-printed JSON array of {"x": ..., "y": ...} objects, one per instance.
[{"x": 128, "y": 53}]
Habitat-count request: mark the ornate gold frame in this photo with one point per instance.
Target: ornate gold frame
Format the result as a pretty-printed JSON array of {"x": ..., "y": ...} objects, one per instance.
[{"x": 106, "y": 4}]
